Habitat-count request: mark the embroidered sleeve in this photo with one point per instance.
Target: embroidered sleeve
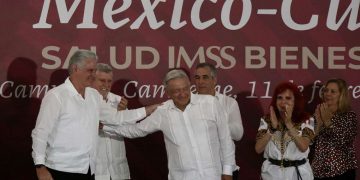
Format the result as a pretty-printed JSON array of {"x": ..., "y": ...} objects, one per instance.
[
  {"x": 263, "y": 124},
  {"x": 307, "y": 129},
  {"x": 262, "y": 128},
  {"x": 260, "y": 134}
]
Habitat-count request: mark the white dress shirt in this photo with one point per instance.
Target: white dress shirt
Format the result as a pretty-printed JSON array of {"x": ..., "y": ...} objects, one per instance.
[
  {"x": 197, "y": 140},
  {"x": 111, "y": 156},
  {"x": 231, "y": 108},
  {"x": 66, "y": 131}
]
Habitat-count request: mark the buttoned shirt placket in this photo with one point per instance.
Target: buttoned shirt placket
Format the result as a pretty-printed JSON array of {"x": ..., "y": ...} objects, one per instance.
[{"x": 192, "y": 138}]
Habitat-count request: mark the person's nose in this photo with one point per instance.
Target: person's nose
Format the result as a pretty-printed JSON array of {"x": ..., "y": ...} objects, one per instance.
[
  {"x": 183, "y": 93},
  {"x": 200, "y": 80},
  {"x": 107, "y": 85},
  {"x": 283, "y": 102},
  {"x": 92, "y": 76},
  {"x": 326, "y": 93}
]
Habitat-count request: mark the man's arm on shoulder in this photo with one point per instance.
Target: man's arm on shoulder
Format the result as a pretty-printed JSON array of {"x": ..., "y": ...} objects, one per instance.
[
  {"x": 141, "y": 129},
  {"x": 122, "y": 104},
  {"x": 112, "y": 116}
]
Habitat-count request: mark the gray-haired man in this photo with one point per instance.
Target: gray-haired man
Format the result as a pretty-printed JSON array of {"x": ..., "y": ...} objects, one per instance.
[
  {"x": 66, "y": 131},
  {"x": 111, "y": 162},
  {"x": 197, "y": 137}
]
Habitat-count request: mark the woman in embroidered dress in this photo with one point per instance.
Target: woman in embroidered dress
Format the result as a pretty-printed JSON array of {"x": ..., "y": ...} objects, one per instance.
[
  {"x": 334, "y": 156},
  {"x": 284, "y": 136}
]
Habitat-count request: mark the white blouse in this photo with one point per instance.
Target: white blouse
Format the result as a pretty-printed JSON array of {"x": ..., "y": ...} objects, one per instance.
[{"x": 290, "y": 152}]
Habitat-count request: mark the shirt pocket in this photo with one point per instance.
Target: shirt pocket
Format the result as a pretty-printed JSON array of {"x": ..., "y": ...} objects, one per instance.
[{"x": 210, "y": 124}]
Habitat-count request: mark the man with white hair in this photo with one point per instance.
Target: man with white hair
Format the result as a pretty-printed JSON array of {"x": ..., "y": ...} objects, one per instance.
[
  {"x": 197, "y": 138},
  {"x": 111, "y": 162},
  {"x": 66, "y": 131}
]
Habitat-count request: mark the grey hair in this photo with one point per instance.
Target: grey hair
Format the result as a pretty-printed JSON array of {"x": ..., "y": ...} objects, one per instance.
[
  {"x": 79, "y": 57},
  {"x": 102, "y": 67},
  {"x": 212, "y": 68},
  {"x": 174, "y": 74}
]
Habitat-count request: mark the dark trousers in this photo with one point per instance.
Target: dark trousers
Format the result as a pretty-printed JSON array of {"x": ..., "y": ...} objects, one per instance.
[
  {"x": 348, "y": 175},
  {"x": 235, "y": 175},
  {"x": 60, "y": 175}
]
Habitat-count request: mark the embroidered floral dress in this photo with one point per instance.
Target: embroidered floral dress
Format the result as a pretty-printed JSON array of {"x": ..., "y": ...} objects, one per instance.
[{"x": 282, "y": 146}]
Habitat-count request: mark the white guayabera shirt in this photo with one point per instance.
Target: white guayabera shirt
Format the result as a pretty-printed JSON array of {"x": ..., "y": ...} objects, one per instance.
[
  {"x": 232, "y": 110},
  {"x": 66, "y": 131},
  {"x": 111, "y": 156},
  {"x": 197, "y": 140}
]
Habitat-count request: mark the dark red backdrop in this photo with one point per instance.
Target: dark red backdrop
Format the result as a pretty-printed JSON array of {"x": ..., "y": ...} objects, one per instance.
[{"x": 36, "y": 57}]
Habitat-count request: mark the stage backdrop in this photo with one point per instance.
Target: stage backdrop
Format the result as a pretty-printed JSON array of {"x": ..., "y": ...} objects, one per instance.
[{"x": 254, "y": 44}]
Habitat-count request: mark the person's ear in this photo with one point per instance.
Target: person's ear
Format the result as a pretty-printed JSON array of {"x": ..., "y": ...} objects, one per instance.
[
  {"x": 73, "y": 68},
  {"x": 167, "y": 92}
]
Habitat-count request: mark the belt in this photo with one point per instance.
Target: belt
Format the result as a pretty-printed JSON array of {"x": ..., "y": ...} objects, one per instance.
[{"x": 289, "y": 163}]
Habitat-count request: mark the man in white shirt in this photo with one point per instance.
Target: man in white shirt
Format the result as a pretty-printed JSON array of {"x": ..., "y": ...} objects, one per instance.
[
  {"x": 197, "y": 137},
  {"x": 111, "y": 162},
  {"x": 66, "y": 131},
  {"x": 205, "y": 82}
]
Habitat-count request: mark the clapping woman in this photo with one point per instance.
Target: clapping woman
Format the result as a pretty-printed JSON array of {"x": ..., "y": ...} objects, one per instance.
[
  {"x": 334, "y": 156},
  {"x": 284, "y": 136}
]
